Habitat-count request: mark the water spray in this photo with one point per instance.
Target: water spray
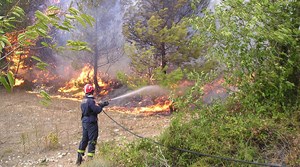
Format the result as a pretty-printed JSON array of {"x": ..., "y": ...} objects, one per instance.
[{"x": 150, "y": 90}]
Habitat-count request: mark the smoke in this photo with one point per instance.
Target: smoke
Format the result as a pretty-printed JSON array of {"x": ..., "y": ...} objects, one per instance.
[{"x": 105, "y": 37}]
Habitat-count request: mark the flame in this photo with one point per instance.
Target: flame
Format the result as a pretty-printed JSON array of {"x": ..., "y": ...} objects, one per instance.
[
  {"x": 18, "y": 82},
  {"x": 17, "y": 61},
  {"x": 18, "y": 55},
  {"x": 154, "y": 108},
  {"x": 162, "y": 105},
  {"x": 75, "y": 85}
]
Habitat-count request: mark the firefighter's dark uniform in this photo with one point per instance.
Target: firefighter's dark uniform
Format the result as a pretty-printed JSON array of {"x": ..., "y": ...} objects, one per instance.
[{"x": 89, "y": 125}]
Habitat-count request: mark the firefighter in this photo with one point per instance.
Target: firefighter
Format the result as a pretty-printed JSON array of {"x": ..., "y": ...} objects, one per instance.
[{"x": 89, "y": 119}]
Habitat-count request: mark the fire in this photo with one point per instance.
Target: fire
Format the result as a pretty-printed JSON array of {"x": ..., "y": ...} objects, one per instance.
[
  {"x": 154, "y": 108},
  {"x": 17, "y": 61},
  {"x": 75, "y": 86},
  {"x": 18, "y": 55},
  {"x": 19, "y": 82},
  {"x": 162, "y": 105}
]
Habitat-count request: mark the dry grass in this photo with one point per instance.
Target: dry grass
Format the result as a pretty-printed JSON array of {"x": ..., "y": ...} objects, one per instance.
[{"x": 31, "y": 131}]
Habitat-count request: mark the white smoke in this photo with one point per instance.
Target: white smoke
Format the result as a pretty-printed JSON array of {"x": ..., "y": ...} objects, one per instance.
[{"x": 108, "y": 35}]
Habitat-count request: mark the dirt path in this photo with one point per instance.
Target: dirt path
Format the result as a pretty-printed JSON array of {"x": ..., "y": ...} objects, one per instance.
[{"x": 35, "y": 135}]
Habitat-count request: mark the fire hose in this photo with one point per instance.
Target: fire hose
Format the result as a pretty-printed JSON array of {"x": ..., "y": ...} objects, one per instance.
[{"x": 194, "y": 152}]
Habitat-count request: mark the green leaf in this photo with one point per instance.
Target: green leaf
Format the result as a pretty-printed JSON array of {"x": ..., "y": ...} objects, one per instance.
[
  {"x": 89, "y": 19},
  {"x": 5, "y": 40},
  {"x": 19, "y": 52},
  {"x": 21, "y": 37},
  {"x": 11, "y": 79},
  {"x": 73, "y": 11},
  {"x": 16, "y": 14},
  {"x": 67, "y": 24},
  {"x": 2, "y": 45},
  {"x": 78, "y": 45},
  {"x": 45, "y": 95},
  {"x": 69, "y": 16},
  {"x": 4, "y": 82},
  {"x": 63, "y": 28},
  {"x": 32, "y": 34},
  {"x": 42, "y": 65},
  {"x": 46, "y": 98},
  {"x": 44, "y": 44},
  {"x": 53, "y": 8},
  {"x": 19, "y": 10},
  {"x": 42, "y": 32},
  {"x": 36, "y": 58},
  {"x": 80, "y": 20},
  {"x": 41, "y": 16}
]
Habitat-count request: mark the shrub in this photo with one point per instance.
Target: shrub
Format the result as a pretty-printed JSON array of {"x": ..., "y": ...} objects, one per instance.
[{"x": 52, "y": 141}]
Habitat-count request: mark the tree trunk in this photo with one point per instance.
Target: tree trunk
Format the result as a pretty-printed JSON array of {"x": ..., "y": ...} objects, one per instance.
[
  {"x": 95, "y": 78},
  {"x": 95, "y": 65},
  {"x": 163, "y": 58}
]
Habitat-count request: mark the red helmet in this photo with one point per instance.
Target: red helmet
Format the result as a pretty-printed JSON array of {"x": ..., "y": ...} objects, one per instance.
[{"x": 88, "y": 88}]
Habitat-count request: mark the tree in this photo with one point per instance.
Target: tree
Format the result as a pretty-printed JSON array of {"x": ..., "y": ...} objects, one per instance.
[
  {"x": 159, "y": 35},
  {"x": 258, "y": 42},
  {"x": 104, "y": 40},
  {"x": 28, "y": 36}
]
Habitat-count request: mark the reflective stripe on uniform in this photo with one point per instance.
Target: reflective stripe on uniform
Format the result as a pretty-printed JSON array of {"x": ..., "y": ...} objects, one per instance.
[
  {"x": 80, "y": 151},
  {"x": 90, "y": 154}
]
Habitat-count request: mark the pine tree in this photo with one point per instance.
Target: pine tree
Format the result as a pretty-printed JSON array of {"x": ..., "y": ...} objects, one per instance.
[{"x": 158, "y": 34}]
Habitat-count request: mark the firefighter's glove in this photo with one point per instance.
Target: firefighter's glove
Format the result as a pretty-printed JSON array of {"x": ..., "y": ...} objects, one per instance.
[{"x": 103, "y": 104}]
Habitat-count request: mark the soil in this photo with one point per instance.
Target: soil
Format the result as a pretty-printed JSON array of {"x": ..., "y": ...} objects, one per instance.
[{"x": 36, "y": 135}]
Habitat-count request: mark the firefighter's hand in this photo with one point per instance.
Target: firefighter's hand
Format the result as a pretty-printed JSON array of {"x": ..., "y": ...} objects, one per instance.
[{"x": 103, "y": 104}]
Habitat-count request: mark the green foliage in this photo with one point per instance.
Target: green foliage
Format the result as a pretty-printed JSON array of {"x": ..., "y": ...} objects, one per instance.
[
  {"x": 46, "y": 98},
  {"x": 168, "y": 80},
  {"x": 158, "y": 77},
  {"x": 142, "y": 61},
  {"x": 215, "y": 130},
  {"x": 193, "y": 96},
  {"x": 146, "y": 71},
  {"x": 212, "y": 133},
  {"x": 52, "y": 141},
  {"x": 8, "y": 81},
  {"x": 78, "y": 45},
  {"x": 158, "y": 34},
  {"x": 28, "y": 37},
  {"x": 131, "y": 81},
  {"x": 220, "y": 129},
  {"x": 14, "y": 15},
  {"x": 207, "y": 67},
  {"x": 139, "y": 153},
  {"x": 258, "y": 42},
  {"x": 41, "y": 65},
  {"x": 4, "y": 82}
]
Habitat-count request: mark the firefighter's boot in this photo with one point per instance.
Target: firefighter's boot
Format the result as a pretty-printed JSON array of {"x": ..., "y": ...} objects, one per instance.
[{"x": 79, "y": 159}]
